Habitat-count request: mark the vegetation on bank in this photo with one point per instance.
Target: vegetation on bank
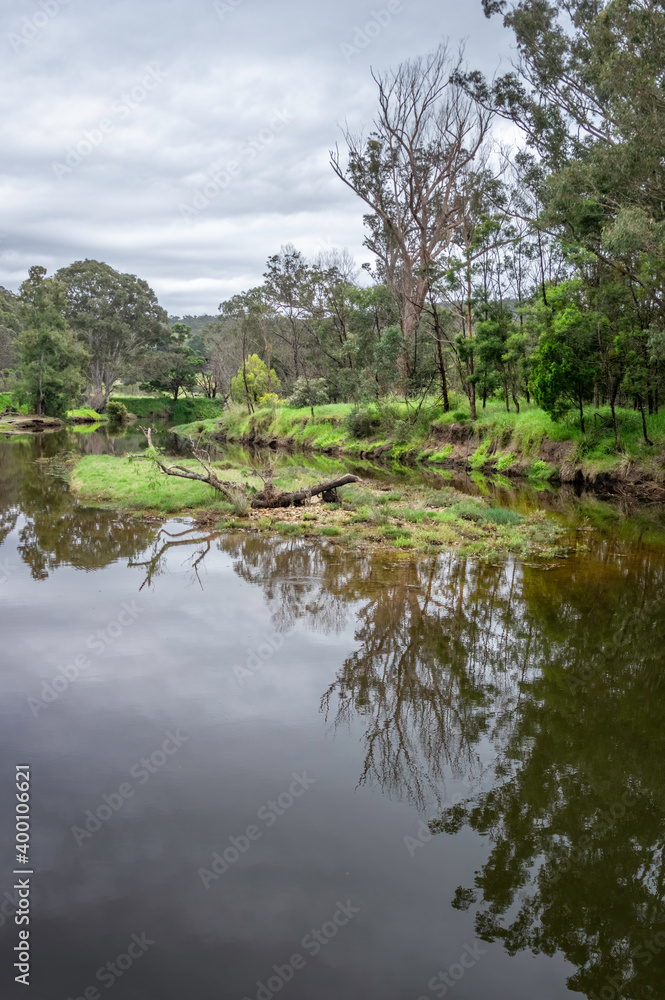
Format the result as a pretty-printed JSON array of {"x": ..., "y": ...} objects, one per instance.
[
  {"x": 412, "y": 519},
  {"x": 528, "y": 443},
  {"x": 86, "y": 415},
  {"x": 179, "y": 411}
]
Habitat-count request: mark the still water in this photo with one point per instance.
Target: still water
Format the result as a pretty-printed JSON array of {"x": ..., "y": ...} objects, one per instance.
[{"x": 270, "y": 767}]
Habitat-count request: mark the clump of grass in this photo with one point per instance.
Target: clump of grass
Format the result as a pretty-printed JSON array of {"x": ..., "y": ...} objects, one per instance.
[
  {"x": 241, "y": 504},
  {"x": 330, "y": 530},
  {"x": 289, "y": 528},
  {"x": 502, "y": 515},
  {"x": 415, "y": 516},
  {"x": 389, "y": 497},
  {"x": 396, "y": 532},
  {"x": 469, "y": 510}
]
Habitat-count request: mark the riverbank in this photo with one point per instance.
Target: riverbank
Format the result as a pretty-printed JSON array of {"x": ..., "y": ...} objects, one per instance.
[
  {"x": 518, "y": 445},
  {"x": 409, "y": 519}
]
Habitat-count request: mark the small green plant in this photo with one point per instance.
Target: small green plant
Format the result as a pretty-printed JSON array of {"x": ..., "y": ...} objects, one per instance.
[
  {"x": 441, "y": 456},
  {"x": 505, "y": 462},
  {"x": 541, "y": 470},
  {"x": 330, "y": 530},
  {"x": 479, "y": 457}
]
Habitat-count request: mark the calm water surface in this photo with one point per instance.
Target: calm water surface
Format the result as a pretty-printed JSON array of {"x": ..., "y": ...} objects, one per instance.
[{"x": 290, "y": 769}]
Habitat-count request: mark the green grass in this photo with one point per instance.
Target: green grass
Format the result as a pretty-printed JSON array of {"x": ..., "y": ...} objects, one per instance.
[
  {"x": 87, "y": 414},
  {"x": 136, "y": 484}
]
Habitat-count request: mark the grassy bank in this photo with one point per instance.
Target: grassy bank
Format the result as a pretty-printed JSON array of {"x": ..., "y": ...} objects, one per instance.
[
  {"x": 86, "y": 415},
  {"x": 528, "y": 443},
  {"x": 409, "y": 519},
  {"x": 181, "y": 411}
]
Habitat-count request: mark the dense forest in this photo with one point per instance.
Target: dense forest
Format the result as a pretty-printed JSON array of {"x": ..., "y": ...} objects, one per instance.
[{"x": 528, "y": 273}]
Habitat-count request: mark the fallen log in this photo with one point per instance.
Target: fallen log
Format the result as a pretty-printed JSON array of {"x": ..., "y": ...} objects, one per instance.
[
  {"x": 299, "y": 497},
  {"x": 268, "y": 499}
]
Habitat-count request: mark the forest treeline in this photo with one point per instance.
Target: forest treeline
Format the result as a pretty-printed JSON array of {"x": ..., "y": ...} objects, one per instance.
[{"x": 525, "y": 272}]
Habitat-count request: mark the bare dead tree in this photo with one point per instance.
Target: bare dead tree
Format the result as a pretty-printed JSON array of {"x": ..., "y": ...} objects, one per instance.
[
  {"x": 427, "y": 136},
  {"x": 267, "y": 499}
]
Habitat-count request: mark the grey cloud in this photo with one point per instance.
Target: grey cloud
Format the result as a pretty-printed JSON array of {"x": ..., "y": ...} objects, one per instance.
[{"x": 224, "y": 78}]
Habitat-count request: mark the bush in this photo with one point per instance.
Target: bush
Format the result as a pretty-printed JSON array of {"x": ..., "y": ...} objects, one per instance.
[
  {"x": 270, "y": 399},
  {"x": 309, "y": 392},
  {"x": 362, "y": 422},
  {"x": 116, "y": 411}
]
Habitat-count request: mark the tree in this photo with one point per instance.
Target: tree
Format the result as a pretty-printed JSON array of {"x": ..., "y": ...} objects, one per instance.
[
  {"x": 587, "y": 92},
  {"x": 427, "y": 136},
  {"x": 254, "y": 380},
  {"x": 10, "y": 326},
  {"x": 177, "y": 368},
  {"x": 564, "y": 367},
  {"x": 116, "y": 316},
  {"x": 50, "y": 362}
]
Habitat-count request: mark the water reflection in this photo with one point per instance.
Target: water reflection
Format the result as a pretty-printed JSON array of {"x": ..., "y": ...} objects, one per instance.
[
  {"x": 52, "y": 529},
  {"x": 541, "y": 690},
  {"x": 561, "y": 674}
]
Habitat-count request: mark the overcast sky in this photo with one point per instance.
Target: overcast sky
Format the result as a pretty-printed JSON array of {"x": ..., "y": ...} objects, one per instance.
[{"x": 186, "y": 140}]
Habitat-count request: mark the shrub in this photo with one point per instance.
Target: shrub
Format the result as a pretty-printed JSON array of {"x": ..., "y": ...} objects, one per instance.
[
  {"x": 362, "y": 422},
  {"x": 270, "y": 399},
  {"x": 116, "y": 411},
  {"x": 309, "y": 392}
]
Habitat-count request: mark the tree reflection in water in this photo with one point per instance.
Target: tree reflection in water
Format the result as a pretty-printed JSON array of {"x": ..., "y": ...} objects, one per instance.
[
  {"x": 561, "y": 674},
  {"x": 53, "y": 530}
]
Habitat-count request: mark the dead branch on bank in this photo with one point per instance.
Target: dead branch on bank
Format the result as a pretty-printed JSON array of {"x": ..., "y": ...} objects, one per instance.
[{"x": 268, "y": 498}]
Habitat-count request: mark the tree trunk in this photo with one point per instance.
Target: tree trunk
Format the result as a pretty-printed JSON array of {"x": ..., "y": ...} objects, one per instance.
[
  {"x": 439, "y": 349},
  {"x": 644, "y": 422},
  {"x": 581, "y": 405}
]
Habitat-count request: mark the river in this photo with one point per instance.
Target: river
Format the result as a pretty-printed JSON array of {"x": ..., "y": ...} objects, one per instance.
[{"x": 269, "y": 766}]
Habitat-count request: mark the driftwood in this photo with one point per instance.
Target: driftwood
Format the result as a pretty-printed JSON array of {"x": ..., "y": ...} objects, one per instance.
[{"x": 268, "y": 498}]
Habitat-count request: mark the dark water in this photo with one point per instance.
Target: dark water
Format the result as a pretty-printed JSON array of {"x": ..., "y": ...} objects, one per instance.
[{"x": 420, "y": 778}]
